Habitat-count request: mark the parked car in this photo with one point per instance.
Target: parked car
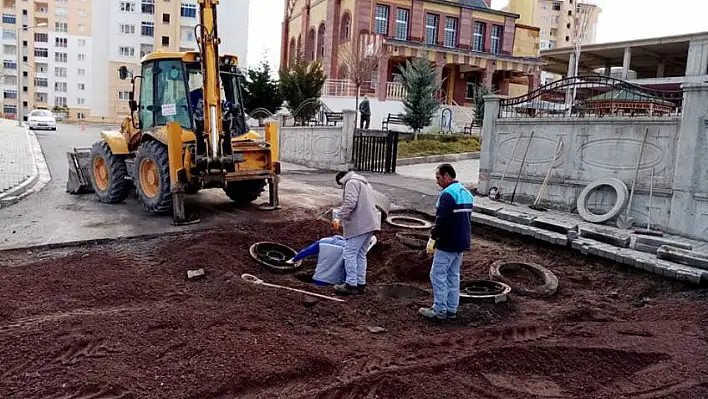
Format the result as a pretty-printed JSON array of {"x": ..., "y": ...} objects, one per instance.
[{"x": 42, "y": 119}]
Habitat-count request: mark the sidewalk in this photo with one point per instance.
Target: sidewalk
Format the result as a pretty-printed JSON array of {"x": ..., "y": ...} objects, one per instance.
[{"x": 19, "y": 154}]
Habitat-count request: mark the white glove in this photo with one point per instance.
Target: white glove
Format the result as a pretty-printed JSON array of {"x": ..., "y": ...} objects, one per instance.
[{"x": 430, "y": 247}]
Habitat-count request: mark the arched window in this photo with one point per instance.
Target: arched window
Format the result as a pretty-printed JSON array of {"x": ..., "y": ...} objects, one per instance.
[
  {"x": 342, "y": 72},
  {"x": 298, "y": 54},
  {"x": 311, "y": 45},
  {"x": 346, "y": 26},
  {"x": 321, "y": 41},
  {"x": 291, "y": 52}
]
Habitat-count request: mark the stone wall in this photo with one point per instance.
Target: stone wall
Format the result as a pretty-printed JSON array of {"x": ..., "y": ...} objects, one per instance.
[{"x": 593, "y": 148}]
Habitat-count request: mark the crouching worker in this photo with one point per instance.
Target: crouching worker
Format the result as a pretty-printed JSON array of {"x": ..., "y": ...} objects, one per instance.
[
  {"x": 330, "y": 259},
  {"x": 449, "y": 239},
  {"x": 359, "y": 219}
]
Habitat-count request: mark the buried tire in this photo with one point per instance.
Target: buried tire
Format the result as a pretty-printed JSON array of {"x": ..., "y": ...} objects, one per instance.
[
  {"x": 244, "y": 192},
  {"x": 547, "y": 288},
  {"x": 108, "y": 173},
  {"x": 153, "y": 177}
]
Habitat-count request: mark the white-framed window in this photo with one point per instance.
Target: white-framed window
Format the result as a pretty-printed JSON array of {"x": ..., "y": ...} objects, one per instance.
[
  {"x": 82, "y": 28},
  {"x": 82, "y": 12},
  {"x": 41, "y": 52},
  {"x": 124, "y": 95},
  {"x": 60, "y": 72},
  {"x": 126, "y": 51},
  {"x": 81, "y": 86},
  {"x": 127, "y": 6},
  {"x": 80, "y": 115},
  {"x": 81, "y": 56},
  {"x": 61, "y": 42},
  {"x": 478, "y": 38},
  {"x": 188, "y": 10},
  {"x": 62, "y": 27},
  {"x": 60, "y": 101},
  {"x": 80, "y": 101},
  {"x": 41, "y": 82},
  {"x": 60, "y": 57},
  {"x": 82, "y": 42},
  {"x": 8, "y": 33},
  {"x": 41, "y": 37},
  {"x": 401, "y": 24},
  {"x": 381, "y": 20},
  {"x": 147, "y": 29},
  {"x": 9, "y": 18},
  {"x": 431, "y": 29},
  {"x": 451, "y": 32},
  {"x": 496, "y": 42},
  {"x": 60, "y": 87},
  {"x": 148, "y": 6},
  {"x": 61, "y": 11},
  {"x": 187, "y": 34},
  {"x": 81, "y": 72},
  {"x": 127, "y": 29}
]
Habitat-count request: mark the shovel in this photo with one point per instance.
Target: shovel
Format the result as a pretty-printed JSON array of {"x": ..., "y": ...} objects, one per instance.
[{"x": 255, "y": 280}]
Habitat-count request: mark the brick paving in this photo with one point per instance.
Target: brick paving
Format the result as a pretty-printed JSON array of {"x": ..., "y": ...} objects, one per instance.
[{"x": 16, "y": 160}]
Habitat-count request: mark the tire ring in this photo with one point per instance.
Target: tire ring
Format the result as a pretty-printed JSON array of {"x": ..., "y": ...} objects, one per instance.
[
  {"x": 275, "y": 266},
  {"x": 413, "y": 240},
  {"x": 413, "y": 213},
  {"x": 413, "y": 222},
  {"x": 550, "y": 281},
  {"x": 622, "y": 195},
  {"x": 501, "y": 291}
]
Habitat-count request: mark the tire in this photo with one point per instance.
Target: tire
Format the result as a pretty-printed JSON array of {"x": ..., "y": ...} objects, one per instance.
[
  {"x": 153, "y": 191},
  {"x": 244, "y": 192},
  {"x": 114, "y": 188}
]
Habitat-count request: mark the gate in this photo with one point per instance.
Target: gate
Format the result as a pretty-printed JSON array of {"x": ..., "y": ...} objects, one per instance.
[{"x": 375, "y": 151}]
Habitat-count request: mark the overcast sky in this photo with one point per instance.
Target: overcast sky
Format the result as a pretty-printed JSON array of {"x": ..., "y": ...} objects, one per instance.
[{"x": 619, "y": 20}]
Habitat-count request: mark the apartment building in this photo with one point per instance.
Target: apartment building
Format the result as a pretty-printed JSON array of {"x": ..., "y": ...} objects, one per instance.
[
  {"x": 125, "y": 30},
  {"x": 557, "y": 20},
  {"x": 55, "y": 55},
  {"x": 468, "y": 42}
]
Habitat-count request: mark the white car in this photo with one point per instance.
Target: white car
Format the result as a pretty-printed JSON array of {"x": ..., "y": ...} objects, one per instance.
[{"x": 42, "y": 119}]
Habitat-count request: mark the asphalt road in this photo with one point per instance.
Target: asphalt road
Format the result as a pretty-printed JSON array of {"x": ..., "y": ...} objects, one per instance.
[{"x": 53, "y": 216}]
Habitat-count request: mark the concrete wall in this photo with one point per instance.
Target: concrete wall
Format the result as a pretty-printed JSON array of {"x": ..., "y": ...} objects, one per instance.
[{"x": 593, "y": 148}]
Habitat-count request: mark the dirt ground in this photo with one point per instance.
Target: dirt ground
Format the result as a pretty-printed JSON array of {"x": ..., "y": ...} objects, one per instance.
[{"x": 121, "y": 321}]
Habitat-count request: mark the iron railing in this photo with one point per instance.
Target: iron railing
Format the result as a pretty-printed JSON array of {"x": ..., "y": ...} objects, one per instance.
[
  {"x": 375, "y": 151},
  {"x": 593, "y": 97}
]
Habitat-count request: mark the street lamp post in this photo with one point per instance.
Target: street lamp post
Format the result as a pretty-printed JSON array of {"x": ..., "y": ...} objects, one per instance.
[{"x": 19, "y": 70}]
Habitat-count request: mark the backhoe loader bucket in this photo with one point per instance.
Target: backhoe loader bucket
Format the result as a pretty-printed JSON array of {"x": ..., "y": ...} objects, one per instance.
[{"x": 79, "y": 181}]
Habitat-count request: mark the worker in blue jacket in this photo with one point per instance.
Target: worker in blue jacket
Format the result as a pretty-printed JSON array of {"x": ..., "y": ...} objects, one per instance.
[{"x": 449, "y": 239}]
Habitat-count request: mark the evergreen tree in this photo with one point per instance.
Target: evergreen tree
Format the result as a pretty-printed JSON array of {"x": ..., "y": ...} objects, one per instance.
[
  {"x": 420, "y": 104},
  {"x": 261, "y": 90},
  {"x": 300, "y": 86}
]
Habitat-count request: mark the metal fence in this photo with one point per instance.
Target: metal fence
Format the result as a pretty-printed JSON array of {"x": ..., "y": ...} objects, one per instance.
[
  {"x": 375, "y": 151},
  {"x": 592, "y": 97}
]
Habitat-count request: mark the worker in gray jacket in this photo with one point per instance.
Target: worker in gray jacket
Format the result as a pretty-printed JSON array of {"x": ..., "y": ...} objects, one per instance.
[{"x": 359, "y": 219}]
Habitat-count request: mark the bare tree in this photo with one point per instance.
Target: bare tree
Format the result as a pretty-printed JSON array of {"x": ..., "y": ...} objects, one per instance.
[
  {"x": 360, "y": 58},
  {"x": 582, "y": 14}
]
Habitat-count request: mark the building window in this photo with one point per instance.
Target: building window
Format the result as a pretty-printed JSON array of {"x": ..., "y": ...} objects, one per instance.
[
  {"x": 41, "y": 52},
  {"x": 124, "y": 95},
  {"x": 311, "y": 45},
  {"x": 60, "y": 101},
  {"x": 381, "y": 20},
  {"x": 431, "y": 29},
  {"x": 479, "y": 31},
  {"x": 9, "y": 109},
  {"x": 147, "y": 29},
  {"x": 145, "y": 49},
  {"x": 346, "y": 26},
  {"x": 188, "y": 10},
  {"x": 61, "y": 42},
  {"x": 401, "y": 24},
  {"x": 127, "y": 29},
  {"x": 9, "y": 34},
  {"x": 60, "y": 72},
  {"x": 127, "y": 6},
  {"x": 81, "y": 72},
  {"x": 10, "y": 94},
  {"x": 41, "y": 82},
  {"x": 9, "y": 19},
  {"x": 9, "y": 64},
  {"x": 61, "y": 11},
  {"x": 80, "y": 101},
  {"x": 165, "y": 40},
  {"x": 61, "y": 27},
  {"x": 82, "y": 28},
  {"x": 451, "y": 32},
  {"x": 496, "y": 41},
  {"x": 321, "y": 41},
  {"x": 82, "y": 42},
  {"x": 41, "y": 37},
  {"x": 60, "y": 87},
  {"x": 81, "y": 56},
  {"x": 80, "y": 115},
  {"x": 556, "y": 6},
  {"x": 81, "y": 86},
  {"x": 187, "y": 34},
  {"x": 148, "y": 6},
  {"x": 165, "y": 18},
  {"x": 126, "y": 51}
]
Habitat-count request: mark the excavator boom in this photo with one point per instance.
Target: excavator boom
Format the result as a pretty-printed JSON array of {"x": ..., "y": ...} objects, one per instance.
[{"x": 208, "y": 41}]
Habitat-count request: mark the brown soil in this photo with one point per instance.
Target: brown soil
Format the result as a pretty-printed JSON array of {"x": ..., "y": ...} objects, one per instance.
[
  {"x": 523, "y": 277},
  {"x": 122, "y": 321}
]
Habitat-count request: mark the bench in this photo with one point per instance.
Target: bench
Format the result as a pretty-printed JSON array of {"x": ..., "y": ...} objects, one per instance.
[
  {"x": 471, "y": 125},
  {"x": 334, "y": 117},
  {"x": 392, "y": 119}
]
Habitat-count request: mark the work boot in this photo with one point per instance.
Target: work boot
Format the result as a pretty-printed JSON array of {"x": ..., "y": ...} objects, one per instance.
[
  {"x": 431, "y": 314},
  {"x": 345, "y": 289},
  {"x": 361, "y": 288},
  {"x": 452, "y": 316}
]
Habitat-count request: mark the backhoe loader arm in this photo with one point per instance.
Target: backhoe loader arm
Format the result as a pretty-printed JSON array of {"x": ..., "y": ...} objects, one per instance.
[{"x": 208, "y": 41}]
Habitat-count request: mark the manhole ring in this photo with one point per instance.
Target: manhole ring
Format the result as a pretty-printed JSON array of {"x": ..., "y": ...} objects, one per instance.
[
  {"x": 413, "y": 240},
  {"x": 550, "y": 281},
  {"x": 274, "y": 256},
  {"x": 268, "y": 207},
  {"x": 408, "y": 222},
  {"x": 484, "y": 290}
]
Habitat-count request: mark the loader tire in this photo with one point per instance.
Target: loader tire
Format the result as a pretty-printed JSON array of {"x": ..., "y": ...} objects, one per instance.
[
  {"x": 153, "y": 177},
  {"x": 244, "y": 192},
  {"x": 108, "y": 173}
]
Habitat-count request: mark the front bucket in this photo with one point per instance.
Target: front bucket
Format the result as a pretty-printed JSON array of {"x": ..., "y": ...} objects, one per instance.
[{"x": 79, "y": 181}]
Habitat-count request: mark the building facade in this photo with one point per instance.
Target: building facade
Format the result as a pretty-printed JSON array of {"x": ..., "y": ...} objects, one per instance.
[
  {"x": 468, "y": 42},
  {"x": 71, "y": 49},
  {"x": 557, "y": 20}
]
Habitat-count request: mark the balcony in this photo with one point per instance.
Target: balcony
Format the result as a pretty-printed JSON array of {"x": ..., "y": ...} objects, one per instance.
[
  {"x": 345, "y": 88},
  {"x": 11, "y": 4},
  {"x": 395, "y": 91},
  {"x": 41, "y": 8}
]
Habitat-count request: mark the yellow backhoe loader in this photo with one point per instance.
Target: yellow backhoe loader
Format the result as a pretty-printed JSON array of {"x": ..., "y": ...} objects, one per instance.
[{"x": 187, "y": 132}]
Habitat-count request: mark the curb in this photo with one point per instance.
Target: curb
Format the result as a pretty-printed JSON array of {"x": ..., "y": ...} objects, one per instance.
[
  {"x": 437, "y": 158},
  {"x": 38, "y": 179}
]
